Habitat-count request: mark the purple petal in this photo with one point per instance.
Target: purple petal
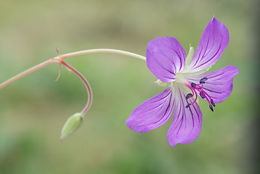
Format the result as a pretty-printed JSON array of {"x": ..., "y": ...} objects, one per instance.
[
  {"x": 212, "y": 44},
  {"x": 152, "y": 113},
  {"x": 165, "y": 56},
  {"x": 219, "y": 84},
  {"x": 186, "y": 124}
]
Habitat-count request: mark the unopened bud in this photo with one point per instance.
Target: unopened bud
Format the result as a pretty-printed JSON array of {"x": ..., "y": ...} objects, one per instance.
[{"x": 71, "y": 125}]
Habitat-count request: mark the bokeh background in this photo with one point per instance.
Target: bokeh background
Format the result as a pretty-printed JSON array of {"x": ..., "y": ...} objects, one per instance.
[{"x": 34, "y": 109}]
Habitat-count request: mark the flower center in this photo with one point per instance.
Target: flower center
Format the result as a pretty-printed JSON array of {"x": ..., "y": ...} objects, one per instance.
[
  {"x": 198, "y": 89},
  {"x": 180, "y": 78}
]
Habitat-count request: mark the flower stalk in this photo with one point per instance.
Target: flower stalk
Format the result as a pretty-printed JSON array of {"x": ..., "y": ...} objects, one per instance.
[
  {"x": 85, "y": 82},
  {"x": 73, "y": 122},
  {"x": 65, "y": 56},
  {"x": 26, "y": 72}
]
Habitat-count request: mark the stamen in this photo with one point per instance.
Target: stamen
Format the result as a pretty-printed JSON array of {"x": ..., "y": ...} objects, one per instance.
[
  {"x": 202, "y": 95},
  {"x": 209, "y": 100},
  {"x": 198, "y": 88},
  {"x": 193, "y": 85},
  {"x": 203, "y": 80},
  {"x": 212, "y": 102},
  {"x": 211, "y": 108},
  {"x": 207, "y": 97},
  {"x": 196, "y": 97},
  {"x": 189, "y": 95}
]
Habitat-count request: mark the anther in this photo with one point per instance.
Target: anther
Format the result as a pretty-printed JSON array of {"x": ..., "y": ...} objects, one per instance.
[
  {"x": 211, "y": 108},
  {"x": 193, "y": 85},
  {"x": 212, "y": 102},
  {"x": 202, "y": 95},
  {"x": 189, "y": 95},
  {"x": 203, "y": 80}
]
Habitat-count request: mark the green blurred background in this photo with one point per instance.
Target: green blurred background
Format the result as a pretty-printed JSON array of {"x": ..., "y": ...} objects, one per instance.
[{"x": 33, "y": 109}]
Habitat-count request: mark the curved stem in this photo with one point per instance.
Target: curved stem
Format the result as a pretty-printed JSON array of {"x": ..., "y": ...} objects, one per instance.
[
  {"x": 102, "y": 50},
  {"x": 85, "y": 82},
  {"x": 59, "y": 59}
]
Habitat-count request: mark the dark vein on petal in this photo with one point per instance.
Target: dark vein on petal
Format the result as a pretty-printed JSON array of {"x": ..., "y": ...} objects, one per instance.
[
  {"x": 170, "y": 61},
  {"x": 192, "y": 117},
  {"x": 195, "y": 108},
  {"x": 216, "y": 75},
  {"x": 164, "y": 117},
  {"x": 178, "y": 55},
  {"x": 210, "y": 90},
  {"x": 172, "y": 73},
  {"x": 161, "y": 102},
  {"x": 206, "y": 48},
  {"x": 199, "y": 58},
  {"x": 212, "y": 56},
  {"x": 181, "y": 109}
]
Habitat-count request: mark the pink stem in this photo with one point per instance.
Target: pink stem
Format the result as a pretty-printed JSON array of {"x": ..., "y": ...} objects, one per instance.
[
  {"x": 43, "y": 64},
  {"x": 59, "y": 59},
  {"x": 193, "y": 92},
  {"x": 28, "y": 71},
  {"x": 85, "y": 82},
  {"x": 207, "y": 97}
]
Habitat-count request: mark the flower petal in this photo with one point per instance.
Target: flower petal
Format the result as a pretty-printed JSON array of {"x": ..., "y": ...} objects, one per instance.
[
  {"x": 165, "y": 56},
  {"x": 186, "y": 124},
  {"x": 152, "y": 113},
  {"x": 219, "y": 84},
  {"x": 212, "y": 44}
]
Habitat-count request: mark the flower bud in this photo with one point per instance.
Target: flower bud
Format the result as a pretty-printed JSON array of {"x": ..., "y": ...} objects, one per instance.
[{"x": 71, "y": 125}]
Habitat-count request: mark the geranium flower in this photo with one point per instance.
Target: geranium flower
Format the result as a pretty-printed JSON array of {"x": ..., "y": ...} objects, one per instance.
[{"x": 187, "y": 81}]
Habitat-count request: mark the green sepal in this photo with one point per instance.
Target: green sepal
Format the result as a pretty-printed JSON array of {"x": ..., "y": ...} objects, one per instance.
[
  {"x": 160, "y": 83},
  {"x": 189, "y": 56}
]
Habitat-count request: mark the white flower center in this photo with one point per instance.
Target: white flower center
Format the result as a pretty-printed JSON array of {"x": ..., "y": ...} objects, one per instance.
[{"x": 180, "y": 78}]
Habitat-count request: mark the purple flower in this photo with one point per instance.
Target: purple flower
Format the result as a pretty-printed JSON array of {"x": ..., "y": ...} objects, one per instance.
[{"x": 187, "y": 81}]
